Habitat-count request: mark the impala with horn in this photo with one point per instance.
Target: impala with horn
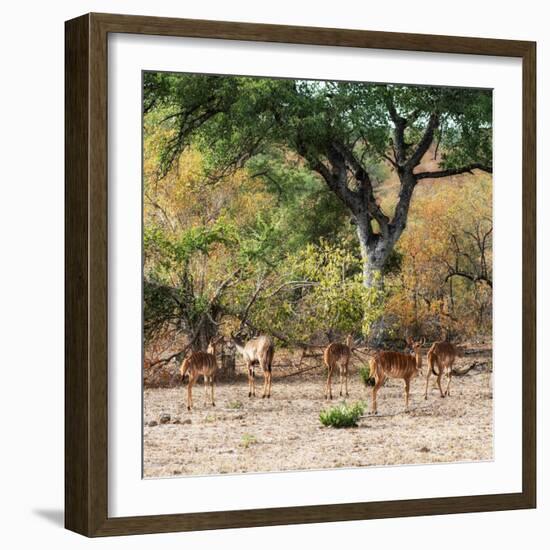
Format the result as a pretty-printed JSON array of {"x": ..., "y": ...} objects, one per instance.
[
  {"x": 393, "y": 364},
  {"x": 258, "y": 351},
  {"x": 201, "y": 363}
]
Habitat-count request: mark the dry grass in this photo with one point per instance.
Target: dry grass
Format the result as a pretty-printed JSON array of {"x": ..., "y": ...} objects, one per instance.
[{"x": 284, "y": 432}]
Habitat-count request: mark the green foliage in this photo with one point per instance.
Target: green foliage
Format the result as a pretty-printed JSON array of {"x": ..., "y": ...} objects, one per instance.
[
  {"x": 297, "y": 191},
  {"x": 247, "y": 440},
  {"x": 342, "y": 416},
  {"x": 172, "y": 252},
  {"x": 232, "y": 186},
  {"x": 337, "y": 297},
  {"x": 366, "y": 378},
  {"x": 233, "y": 119}
]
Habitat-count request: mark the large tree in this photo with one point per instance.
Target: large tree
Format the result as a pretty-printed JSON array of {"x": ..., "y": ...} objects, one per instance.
[{"x": 342, "y": 131}]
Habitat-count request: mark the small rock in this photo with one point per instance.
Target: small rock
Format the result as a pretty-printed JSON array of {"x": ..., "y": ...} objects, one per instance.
[
  {"x": 186, "y": 421},
  {"x": 152, "y": 423},
  {"x": 424, "y": 450},
  {"x": 176, "y": 421},
  {"x": 164, "y": 418}
]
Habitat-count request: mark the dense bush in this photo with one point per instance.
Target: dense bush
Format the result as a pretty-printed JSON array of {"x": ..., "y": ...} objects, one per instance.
[{"x": 342, "y": 416}]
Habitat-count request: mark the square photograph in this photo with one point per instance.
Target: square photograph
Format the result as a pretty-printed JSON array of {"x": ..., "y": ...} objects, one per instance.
[{"x": 317, "y": 274}]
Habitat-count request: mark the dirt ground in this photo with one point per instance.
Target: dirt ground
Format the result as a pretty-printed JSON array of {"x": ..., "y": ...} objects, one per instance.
[{"x": 284, "y": 432}]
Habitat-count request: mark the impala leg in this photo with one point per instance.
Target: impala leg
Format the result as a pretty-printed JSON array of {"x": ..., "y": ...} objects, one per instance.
[
  {"x": 346, "y": 379},
  {"x": 374, "y": 392},
  {"x": 427, "y": 382},
  {"x": 205, "y": 389},
  {"x": 269, "y": 386},
  {"x": 439, "y": 376},
  {"x": 212, "y": 390},
  {"x": 190, "y": 392},
  {"x": 264, "y": 393},
  {"x": 378, "y": 382},
  {"x": 449, "y": 375},
  {"x": 328, "y": 391},
  {"x": 341, "y": 380},
  {"x": 326, "y": 383},
  {"x": 249, "y": 367},
  {"x": 407, "y": 390}
]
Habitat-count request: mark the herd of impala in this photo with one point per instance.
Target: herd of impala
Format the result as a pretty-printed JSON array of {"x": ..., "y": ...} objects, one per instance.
[{"x": 383, "y": 364}]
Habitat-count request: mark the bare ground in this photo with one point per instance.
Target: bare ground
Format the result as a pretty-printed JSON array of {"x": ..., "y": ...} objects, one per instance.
[{"x": 284, "y": 432}]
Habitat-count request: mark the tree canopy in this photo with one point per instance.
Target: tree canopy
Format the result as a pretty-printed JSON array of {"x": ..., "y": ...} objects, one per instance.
[{"x": 267, "y": 200}]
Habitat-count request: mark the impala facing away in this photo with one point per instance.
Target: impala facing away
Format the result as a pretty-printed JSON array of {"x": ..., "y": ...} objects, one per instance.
[
  {"x": 442, "y": 354},
  {"x": 201, "y": 363},
  {"x": 258, "y": 351},
  {"x": 337, "y": 356},
  {"x": 392, "y": 364}
]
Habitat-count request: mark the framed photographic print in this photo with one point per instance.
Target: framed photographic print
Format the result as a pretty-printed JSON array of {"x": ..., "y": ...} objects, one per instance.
[{"x": 300, "y": 275}]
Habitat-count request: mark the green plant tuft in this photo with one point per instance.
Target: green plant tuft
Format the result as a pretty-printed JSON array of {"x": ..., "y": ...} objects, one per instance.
[
  {"x": 247, "y": 440},
  {"x": 342, "y": 416}
]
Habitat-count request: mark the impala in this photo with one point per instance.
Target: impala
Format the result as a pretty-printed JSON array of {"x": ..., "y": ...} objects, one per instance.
[
  {"x": 337, "y": 356},
  {"x": 442, "y": 355},
  {"x": 201, "y": 363},
  {"x": 392, "y": 364},
  {"x": 258, "y": 351}
]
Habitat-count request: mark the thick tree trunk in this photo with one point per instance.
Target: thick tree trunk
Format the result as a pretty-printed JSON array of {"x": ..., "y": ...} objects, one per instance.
[
  {"x": 377, "y": 247},
  {"x": 375, "y": 250}
]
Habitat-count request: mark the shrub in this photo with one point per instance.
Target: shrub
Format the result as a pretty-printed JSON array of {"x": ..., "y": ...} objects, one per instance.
[
  {"x": 342, "y": 416},
  {"x": 247, "y": 440},
  {"x": 366, "y": 378}
]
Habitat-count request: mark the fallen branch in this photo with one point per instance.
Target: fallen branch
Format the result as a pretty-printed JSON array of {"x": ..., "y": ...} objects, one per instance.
[
  {"x": 419, "y": 408},
  {"x": 284, "y": 338},
  {"x": 462, "y": 372},
  {"x": 297, "y": 372}
]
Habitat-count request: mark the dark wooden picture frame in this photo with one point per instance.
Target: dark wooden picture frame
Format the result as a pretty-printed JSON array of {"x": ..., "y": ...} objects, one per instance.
[{"x": 86, "y": 284}]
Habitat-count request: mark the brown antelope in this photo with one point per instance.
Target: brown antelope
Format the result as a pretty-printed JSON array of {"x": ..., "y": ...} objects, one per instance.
[
  {"x": 442, "y": 354},
  {"x": 392, "y": 364},
  {"x": 337, "y": 355},
  {"x": 201, "y": 363},
  {"x": 258, "y": 351}
]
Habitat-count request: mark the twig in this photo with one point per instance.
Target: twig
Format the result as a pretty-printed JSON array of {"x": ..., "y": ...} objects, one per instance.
[
  {"x": 297, "y": 372},
  {"x": 425, "y": 407}
]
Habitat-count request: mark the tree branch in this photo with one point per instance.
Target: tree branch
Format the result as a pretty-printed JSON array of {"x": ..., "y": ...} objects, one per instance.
[
  {"x": 454, "y": 171},
  {"x": 365, "y": 185},
  {"x": 400, "y": 123},
  {"x": 425, "y": 142}
]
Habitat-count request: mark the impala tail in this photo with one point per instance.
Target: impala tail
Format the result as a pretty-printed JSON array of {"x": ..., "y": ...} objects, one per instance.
[
  {"x": 268, "y": 356},
  {"x": 432, "y": 360},
  {"x": 184, "y": 367}
]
